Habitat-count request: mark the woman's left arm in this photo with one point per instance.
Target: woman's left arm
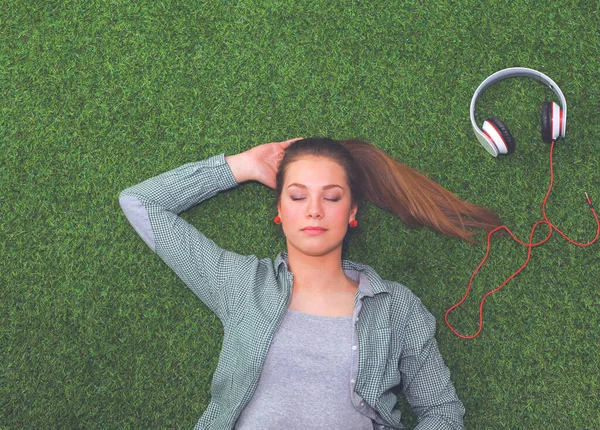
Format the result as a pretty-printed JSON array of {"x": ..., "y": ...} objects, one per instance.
[{"x": 426, "y": 380}]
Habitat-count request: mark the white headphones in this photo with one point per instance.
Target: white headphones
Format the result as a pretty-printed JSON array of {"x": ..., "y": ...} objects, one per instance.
[{"x": 495, "y": 137}]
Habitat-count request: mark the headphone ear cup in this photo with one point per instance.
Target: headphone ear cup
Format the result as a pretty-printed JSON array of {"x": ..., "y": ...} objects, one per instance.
[
  {"x": 552, "y": 116},
  {"x": 547, "y": 122},
  {"x": 493, "y": 126}
]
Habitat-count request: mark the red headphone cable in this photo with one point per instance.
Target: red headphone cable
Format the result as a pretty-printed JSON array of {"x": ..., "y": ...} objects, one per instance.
[{"x": 529, "y": 246}]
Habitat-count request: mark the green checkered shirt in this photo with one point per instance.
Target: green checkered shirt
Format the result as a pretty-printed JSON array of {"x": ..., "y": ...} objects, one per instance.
[{"x": 395, "y": 333}]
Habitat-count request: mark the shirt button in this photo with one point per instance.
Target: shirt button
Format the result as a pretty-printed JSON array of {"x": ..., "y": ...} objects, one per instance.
[
  {"x": 354, "y": 347},
  {"x": 362, "y": 404},
  {"x": 352, "y": 381}
]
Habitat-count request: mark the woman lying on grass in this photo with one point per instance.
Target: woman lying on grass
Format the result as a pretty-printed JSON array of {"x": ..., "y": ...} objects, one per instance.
[{"x": 311, "y": 341}]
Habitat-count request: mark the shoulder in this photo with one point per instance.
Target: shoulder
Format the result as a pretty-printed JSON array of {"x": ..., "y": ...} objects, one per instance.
[
  {"x": 377, "y": 283},
  {"x": 393, "y": 298},
  {"x": 261, "y": 274}
]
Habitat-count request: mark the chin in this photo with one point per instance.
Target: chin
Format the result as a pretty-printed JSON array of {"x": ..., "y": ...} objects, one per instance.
[{"x": 316, "y": 251}]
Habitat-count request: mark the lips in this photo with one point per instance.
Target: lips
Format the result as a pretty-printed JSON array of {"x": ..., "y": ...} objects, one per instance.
[{"x": 314, "y": 230}]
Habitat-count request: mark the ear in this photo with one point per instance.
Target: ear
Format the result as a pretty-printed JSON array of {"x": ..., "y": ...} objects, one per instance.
[{"x": 353, "y": 211}]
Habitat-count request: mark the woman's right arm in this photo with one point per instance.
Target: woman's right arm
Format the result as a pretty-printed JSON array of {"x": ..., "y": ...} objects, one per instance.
[{"x": 154, "y": 205}]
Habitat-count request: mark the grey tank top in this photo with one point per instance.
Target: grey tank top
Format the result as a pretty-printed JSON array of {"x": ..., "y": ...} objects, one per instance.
[{"x": 305, "y": 381}]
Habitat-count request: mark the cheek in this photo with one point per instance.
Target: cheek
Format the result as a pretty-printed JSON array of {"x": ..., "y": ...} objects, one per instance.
[
  {"x": 339, "y": 215},
  {"x": 341, "y": 211},
  {"x": 282, "y": 209},
  {"x": 288, "y": 213}
]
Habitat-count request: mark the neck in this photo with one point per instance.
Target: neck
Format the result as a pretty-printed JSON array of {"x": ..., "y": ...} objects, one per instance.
[{"x": 317, "y": 273}]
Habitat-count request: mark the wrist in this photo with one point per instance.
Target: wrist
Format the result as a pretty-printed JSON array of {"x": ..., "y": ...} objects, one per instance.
[{"x": 240, "y": 167}]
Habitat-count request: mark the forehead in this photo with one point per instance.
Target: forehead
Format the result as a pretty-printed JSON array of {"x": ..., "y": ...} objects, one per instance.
[{"x": 315, "y": 170}]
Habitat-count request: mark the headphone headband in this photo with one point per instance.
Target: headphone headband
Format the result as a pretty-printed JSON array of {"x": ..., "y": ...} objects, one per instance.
[{"x": 512, "y": 73}]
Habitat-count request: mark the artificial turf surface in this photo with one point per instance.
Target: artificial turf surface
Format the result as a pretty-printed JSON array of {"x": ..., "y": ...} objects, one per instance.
[{"x": 95, "y": 96}]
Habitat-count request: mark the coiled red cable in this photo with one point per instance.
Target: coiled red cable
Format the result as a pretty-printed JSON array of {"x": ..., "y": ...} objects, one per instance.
[{"x": 530, "y": 245}]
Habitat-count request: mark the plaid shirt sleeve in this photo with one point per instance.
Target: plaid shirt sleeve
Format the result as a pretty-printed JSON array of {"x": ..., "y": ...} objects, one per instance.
[
  {"x": 197, "y": 260},
  {"x": 426, "y": 378}
]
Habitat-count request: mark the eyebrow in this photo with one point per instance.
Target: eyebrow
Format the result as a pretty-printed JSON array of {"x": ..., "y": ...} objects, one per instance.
[{"x": 325, "y": 187}]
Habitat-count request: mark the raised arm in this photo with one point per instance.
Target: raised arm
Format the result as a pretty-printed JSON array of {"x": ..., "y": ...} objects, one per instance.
[{"x": 154, "y": 205}]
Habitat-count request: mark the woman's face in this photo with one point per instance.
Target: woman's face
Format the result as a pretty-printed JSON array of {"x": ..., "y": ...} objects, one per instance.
[{"x": 315, "y": 206}]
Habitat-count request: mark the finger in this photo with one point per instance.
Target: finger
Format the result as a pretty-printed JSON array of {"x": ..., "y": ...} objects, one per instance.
[{"x": 287, "y": 143}]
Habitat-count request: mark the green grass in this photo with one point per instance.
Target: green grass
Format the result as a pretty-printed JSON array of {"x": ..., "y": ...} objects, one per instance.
[{"x": 97, "y": 332}]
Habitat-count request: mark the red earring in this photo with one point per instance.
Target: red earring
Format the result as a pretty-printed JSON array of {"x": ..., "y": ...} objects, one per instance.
[
  {"x": 353, "y": 223},
  {"x": 277, "y": 220}
]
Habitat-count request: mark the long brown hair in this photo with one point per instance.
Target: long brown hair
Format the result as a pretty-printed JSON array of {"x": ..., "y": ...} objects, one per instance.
[{"x": 417, "y": 200}]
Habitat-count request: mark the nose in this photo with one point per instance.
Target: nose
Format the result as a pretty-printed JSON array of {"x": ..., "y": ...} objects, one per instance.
[{"x": 315, "y": 209}]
